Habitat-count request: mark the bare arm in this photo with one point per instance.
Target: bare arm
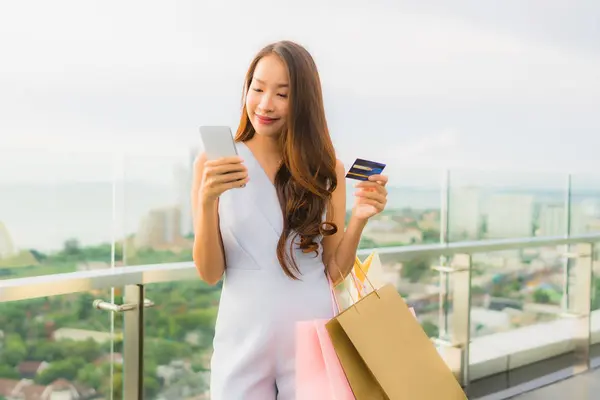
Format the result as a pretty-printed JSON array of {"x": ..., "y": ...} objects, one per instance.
[
  {"x": 339, "y": 250},
  {"x": 208, "y": 183}
]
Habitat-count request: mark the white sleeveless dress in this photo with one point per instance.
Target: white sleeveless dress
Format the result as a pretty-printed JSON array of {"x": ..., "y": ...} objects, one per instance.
[{"x": 254, "y": 344}]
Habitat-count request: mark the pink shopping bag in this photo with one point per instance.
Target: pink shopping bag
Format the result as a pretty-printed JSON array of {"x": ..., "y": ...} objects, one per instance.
[{"x": 319, "y": 374}]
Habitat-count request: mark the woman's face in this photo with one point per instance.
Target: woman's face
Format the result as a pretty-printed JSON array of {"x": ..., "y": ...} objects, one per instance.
[{"x": 267, "y": 98}]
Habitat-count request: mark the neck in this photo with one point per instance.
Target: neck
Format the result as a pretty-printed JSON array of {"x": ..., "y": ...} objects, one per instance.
[{"x": 266, "y": 146}]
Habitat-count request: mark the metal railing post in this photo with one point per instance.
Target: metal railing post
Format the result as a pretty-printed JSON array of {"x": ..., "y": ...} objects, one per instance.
[
  {"x": 582, "y": 305},
  {"x": 133, "y": 344},
  {"x": 443, "y": 260},
  {"x": 461, "y": 312},
  {"x": 456, "y": 349}
]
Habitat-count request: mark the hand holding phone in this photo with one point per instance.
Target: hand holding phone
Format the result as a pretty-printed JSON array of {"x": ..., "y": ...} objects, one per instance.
[
  {"x": 221, "y": 175},
  {"x": 218, "y": 142},
  {"x": 223, "y": 168}
]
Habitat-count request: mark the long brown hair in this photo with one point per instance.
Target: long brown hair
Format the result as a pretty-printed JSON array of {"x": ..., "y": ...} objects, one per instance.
[{"x": 307, "y": 176}]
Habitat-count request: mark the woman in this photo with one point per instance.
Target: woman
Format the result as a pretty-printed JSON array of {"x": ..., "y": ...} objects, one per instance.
[{"x": 279, "y": 230}]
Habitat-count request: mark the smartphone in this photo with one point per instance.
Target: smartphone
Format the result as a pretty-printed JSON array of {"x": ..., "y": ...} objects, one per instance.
[{"x": 218, "y": 142}]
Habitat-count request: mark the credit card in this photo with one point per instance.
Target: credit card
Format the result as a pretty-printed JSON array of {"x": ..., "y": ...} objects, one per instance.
[{"x": 363, "y": 169}]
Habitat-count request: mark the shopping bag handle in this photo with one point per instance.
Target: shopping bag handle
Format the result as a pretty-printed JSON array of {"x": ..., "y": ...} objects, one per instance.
[
  {"x": 334, "y": 300},
  {"x": 364, "y": 274}
]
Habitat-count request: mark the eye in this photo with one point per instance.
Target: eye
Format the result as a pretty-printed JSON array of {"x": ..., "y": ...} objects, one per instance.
[
  {"x": 284, "y": 96},
  {"x": 257, "y": 90}
]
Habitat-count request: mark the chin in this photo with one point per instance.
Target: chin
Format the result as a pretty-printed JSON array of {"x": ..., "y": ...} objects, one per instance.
[{"x": 268, "y": 131}]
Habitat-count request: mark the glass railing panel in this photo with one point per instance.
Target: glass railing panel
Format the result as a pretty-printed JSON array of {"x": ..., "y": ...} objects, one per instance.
[
  {"x": 178, "y": 339},
  {"x": 516, "y": 288},
  {"x": 421, "y": 287},
  {"x": 585, "y": 204},
  {"x": 153, "y": 208},
  {"x": 585, "y": 218},
  {"x": 500, "y": 205},
  {"x": 55, "y": 212},
  {"x": 412, "y": 215},
  {"x": 59, "y": 346}
]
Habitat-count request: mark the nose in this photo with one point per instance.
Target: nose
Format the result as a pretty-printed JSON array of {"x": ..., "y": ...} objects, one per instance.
[{"x": 266, "y": 103}]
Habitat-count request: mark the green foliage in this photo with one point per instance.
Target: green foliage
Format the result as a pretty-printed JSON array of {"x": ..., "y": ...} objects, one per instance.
[
  {"x": 596, "y": 295},
  {"x": 151, "y": 256},
  {"x": 431, "y": 236},
  {"x": 541, "y": 296},
  {"x": 417, "y": 269},
  {"x": 91, "y": 376},
  {"x": 8, "y": 372},
  {"x": 182, "y": 309},
  {"x": 65, "y": 369},
  {"x": 14, "y": 350},
  {"x": 430, "y": 329}
]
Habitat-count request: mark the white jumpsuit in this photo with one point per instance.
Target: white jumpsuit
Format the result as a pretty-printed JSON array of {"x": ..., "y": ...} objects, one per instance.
[{"x": 254, "y": 344}]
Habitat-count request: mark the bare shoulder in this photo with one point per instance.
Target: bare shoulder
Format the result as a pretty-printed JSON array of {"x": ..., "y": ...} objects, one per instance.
[
  {"x": 340, "y": 172},
  {"x": 338, "y": 196},
  {"x": 340, "y": 169}
]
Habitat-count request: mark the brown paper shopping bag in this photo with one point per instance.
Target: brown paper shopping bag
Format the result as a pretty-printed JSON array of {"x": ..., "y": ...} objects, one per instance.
[{"x": 386, "y": 354}]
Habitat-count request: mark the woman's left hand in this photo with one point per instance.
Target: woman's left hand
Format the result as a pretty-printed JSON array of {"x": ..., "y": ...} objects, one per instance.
[{"x": 370, "y": 198}]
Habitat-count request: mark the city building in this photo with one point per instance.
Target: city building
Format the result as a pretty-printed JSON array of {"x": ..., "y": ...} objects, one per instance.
[
  {"x": 509, "y": 215},
  {"x": 7, "y": 248}
]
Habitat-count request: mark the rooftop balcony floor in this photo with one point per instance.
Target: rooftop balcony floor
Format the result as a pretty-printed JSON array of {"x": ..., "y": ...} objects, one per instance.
[{"x": 581, "y": 387}]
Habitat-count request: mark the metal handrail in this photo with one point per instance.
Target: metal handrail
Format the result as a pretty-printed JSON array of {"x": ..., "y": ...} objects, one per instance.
[{"x": 75, "y": 282}]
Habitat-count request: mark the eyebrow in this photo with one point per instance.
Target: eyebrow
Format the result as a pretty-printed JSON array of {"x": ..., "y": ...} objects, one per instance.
[{"x": 279, "y": 85}]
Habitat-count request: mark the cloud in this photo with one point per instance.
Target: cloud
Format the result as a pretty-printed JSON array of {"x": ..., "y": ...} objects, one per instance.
[
  {"x": 139, "y": 77},
  {"x": 438, "y": 150}
]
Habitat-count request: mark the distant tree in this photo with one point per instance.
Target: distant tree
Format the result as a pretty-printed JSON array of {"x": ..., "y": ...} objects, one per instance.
[
  {"x": 8, "y": 372},
  {"x": 541, "y": 296},
  {"x": 14, "y": 350},
  {"x": 430, "y": 329},
  {"x": 596, "y": 295},
  {"x": 71, "y": 247},
  {"x": 84, "y": 311},
  {"x": 151, "y": 386},
  {"x": 90, "y": 376},
  {"x": 366, "y": 243},
  {"x": 48, "y": 351},
  {"x": 38, "y": 255},
  {"x": 431, "y": 236},
  {"x": 414, "y": 270},
  {"x": 63, "y": 369}
]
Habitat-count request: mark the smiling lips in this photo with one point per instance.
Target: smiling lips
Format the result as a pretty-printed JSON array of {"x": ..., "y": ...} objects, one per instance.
[{"x": 265, "y": 120}]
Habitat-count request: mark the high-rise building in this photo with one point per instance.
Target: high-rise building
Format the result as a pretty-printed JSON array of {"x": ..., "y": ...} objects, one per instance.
[
  {"x": 7, "y": 248},
  {"x": 160, "y": 227},
  {"x": 464, "y": 214},
  {"x": 552, "y": 221},
  {"x": 183, "y": 185},
  {"x": 509, "y": 215}
]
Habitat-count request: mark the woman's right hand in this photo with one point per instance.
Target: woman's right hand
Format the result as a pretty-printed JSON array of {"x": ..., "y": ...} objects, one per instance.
[{"x": 220, "y": 175}]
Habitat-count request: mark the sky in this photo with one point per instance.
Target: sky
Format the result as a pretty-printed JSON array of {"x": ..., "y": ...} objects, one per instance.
[{"x": 89, "y": 88}]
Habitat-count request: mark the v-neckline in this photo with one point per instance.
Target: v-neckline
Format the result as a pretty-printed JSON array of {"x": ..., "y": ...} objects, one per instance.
[{"x": 264, "y": 172}]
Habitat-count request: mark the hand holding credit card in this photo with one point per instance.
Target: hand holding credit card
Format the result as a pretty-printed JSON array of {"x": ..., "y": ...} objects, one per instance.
[
  {"x": 371, "y": 196},
  {"x": 362, "y": 169}
]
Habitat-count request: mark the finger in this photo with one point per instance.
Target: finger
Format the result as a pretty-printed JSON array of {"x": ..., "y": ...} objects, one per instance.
[
  {"x": 370, "y": 202},
  {"x": 231, "y": 177},
  {"x": 371, "y": 196},
  {"x": 224, "y": 160},
  {"x": 235, "y": 184},
  {"x": 382, "y": 179},
  {"x": 372, "y": 186},
  {"x": 225, "y": 169}
]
